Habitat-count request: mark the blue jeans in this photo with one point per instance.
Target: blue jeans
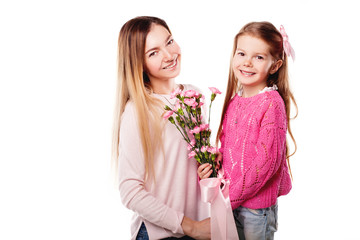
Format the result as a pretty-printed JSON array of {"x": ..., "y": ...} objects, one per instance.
[
  {"x": 142, "y": 234},
  {"x": 256, "y": 224}
]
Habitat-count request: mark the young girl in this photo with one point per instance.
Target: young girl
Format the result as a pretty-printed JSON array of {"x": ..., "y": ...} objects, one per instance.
[
  {"x": 156, "y": 179},
  {"x": 253, "y": 129}
]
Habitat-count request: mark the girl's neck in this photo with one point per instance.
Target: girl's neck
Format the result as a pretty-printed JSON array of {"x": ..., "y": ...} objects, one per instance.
[
  {"x": 163, "y": 87},
  {"x": 250, "y": 91}
]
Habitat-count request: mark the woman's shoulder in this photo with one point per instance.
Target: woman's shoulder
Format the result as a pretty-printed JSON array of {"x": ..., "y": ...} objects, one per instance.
[
  {"x": 191, "y": 87},
  {"x": 129, "y": 113}
]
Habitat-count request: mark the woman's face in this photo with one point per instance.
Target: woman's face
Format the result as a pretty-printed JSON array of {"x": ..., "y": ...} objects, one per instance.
[{"x": 162, "y": 55}]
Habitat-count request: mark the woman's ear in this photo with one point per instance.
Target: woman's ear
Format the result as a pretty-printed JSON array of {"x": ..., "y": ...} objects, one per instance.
[{"x": 276, "y": 66}]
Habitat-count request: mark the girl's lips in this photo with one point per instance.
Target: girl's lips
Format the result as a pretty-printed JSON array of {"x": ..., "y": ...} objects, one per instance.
[
  {"x": 248, "y": 74},
  {"x": 172, "y": 65}
]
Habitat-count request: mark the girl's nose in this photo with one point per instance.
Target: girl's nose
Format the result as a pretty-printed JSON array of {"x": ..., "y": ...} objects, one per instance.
[{"x": 247, "y": 62}]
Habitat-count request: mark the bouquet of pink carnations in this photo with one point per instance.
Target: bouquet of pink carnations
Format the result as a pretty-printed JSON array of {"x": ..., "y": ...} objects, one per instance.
[{"x": 186, "y": 116}]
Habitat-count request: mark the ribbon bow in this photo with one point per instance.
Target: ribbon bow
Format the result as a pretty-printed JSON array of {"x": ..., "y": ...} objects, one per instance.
[
  {"x": 289, "y": 51},
  {"x": 216, "y": 192}
]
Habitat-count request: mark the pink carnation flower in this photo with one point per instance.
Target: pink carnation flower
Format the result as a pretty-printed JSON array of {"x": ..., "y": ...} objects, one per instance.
[
  {"x": 204, "y": 149},
  {"x": 195, "y": 130},
  {"x": 214, "y": 90},
  {"x": 191, "y": 154},
  {"x": 213, "y": 150},
  {"x": 204, "y": 127},
  {"x": 175, "y": 93},
  {"x": 190, "y": 93},
  {"x": 190, "y": 102}
]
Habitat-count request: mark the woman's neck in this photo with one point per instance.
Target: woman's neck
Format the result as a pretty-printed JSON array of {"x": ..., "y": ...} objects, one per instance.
[{"x": 163, "y": 87}]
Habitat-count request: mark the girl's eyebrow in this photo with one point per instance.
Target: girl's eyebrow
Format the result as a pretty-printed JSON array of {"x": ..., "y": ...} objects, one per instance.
[
  {"x": 155, "y": 48},
  {"x": 257, "y": 53}
]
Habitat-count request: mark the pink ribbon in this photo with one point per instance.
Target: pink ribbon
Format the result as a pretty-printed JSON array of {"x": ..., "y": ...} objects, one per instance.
[
  {"x": 289, "y": 51},
  {"x": 222, "y": 220}
]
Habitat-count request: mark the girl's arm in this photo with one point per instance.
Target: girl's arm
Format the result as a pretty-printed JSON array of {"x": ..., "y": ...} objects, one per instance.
[{"x": 270, "y": 152}]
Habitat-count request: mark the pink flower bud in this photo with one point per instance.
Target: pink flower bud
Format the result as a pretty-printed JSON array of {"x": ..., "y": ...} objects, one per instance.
[
  {"x": 214, "y": 90},
  {"x": 168, "y": 114},
  {"x": 204, "y": 149},
  {"x": 213, "y": 150}
]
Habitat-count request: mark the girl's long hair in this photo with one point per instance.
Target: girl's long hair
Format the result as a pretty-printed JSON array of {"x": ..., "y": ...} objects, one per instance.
[
  {"x": 268, "y": 33},
  {"x": 133, "y": 84}
]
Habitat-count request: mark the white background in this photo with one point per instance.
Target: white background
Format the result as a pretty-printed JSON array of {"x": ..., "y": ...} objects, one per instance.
[{"x": 58, "y": 73}]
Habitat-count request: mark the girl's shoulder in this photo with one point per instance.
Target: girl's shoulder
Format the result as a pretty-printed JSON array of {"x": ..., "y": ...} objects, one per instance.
[
  {"x": 274, "y": 103},
  {"x": 274, "y": 98}
]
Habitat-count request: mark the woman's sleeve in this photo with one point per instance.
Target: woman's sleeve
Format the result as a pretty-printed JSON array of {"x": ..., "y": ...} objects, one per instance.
[
  {"x": 131, "y": 178},
  {"x": 270, "y": 152}
]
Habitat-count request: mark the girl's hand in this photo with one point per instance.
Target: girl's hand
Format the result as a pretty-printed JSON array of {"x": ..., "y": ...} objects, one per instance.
[
  {"x": 218, "y": 161},
  {"x": 204, "y": 170}
]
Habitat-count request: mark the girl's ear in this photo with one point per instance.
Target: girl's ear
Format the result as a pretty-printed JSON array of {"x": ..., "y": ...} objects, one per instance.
[{"x": 276, "y": 66}]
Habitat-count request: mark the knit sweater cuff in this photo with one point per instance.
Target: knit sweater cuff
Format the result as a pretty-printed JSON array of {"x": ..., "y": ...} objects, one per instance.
[{"x": 173, "y": 220}]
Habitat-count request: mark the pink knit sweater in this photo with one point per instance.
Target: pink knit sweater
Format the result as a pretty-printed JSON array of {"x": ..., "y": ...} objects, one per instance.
[{"x": 253, "y": 145}]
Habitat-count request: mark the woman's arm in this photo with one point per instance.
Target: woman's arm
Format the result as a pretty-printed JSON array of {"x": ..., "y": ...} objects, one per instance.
[
  {"x": 132, "y": 174},
  {"x": 132, "y": 185}
]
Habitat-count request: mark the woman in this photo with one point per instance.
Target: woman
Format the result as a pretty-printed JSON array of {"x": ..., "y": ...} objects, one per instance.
[{"x": 156, "y": 180}]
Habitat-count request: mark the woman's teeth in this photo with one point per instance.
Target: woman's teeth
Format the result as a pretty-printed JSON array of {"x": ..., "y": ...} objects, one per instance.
[{"x": 172, "y": 65}]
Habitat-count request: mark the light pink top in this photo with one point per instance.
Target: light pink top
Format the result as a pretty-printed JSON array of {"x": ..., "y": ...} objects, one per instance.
[
  {"x": 161, "y": 205},
  {"x": 253, "y": 144}
]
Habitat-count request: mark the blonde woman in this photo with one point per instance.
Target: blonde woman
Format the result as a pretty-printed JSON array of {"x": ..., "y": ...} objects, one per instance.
[{"x": 156, "y": 180}]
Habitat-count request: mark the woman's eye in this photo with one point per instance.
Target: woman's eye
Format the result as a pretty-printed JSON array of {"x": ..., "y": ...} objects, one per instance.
[
  {"x": 241, "y": 54},
  {"x": 170, "y": 41},
  {"x": 152, "y": 54}
]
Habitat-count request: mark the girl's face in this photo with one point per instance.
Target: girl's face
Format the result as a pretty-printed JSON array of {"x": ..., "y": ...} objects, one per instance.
[
  {"x": 252, "y": 62},
  {"x": 162, "y": 55}
]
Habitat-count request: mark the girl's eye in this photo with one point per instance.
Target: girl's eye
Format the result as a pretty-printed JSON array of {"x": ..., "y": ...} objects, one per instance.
[
  {"x": 259, "y": 57},
  {"x": 171, "y": 41},
  {"x": 241, "y": 54}
]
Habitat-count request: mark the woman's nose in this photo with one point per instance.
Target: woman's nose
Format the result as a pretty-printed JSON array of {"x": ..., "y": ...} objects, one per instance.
[{"x": 168, "y": 56}]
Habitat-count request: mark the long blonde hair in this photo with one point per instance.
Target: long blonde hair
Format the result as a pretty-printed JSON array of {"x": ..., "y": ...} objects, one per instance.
[
  {"x": 133, "y": 84},
  {"x": 268, "y": 33}
]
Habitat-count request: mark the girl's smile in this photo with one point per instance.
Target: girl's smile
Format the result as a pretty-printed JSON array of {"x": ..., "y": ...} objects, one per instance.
[{"x": 252, "y": 63}]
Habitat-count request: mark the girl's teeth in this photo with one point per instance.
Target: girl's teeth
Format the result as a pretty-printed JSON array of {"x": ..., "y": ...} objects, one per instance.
[{"x": 247, "y": 73}]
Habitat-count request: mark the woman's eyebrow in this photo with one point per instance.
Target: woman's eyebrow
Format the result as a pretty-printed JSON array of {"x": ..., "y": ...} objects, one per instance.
[{"x": 155, "y": 48}]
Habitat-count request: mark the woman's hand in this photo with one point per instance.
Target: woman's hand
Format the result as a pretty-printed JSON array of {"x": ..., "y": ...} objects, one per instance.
[{"x": 197, "y": 229}]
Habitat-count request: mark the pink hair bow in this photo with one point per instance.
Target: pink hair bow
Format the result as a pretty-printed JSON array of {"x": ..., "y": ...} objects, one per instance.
[{"x": 287, "y": 46}]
